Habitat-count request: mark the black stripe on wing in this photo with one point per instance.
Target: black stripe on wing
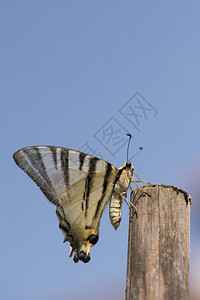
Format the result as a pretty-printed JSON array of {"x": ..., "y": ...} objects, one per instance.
[
  {"x": 81, "y": 160},
  {"x": 64, "y": 158},
  {"x": 104, "y": 187},
  {"x": 54, "y": 156},
  {"x": 89, "y": 180}
]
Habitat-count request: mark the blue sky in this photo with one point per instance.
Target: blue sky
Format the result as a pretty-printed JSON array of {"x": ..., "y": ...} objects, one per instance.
[{"x": 67, "y": 69}]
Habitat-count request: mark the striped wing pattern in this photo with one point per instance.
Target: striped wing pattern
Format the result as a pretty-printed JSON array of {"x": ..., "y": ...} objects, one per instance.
[{"x": 80, "y": 186}]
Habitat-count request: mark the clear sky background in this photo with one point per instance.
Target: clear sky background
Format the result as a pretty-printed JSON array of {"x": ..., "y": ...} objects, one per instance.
[{"x": 67, "y": 70}]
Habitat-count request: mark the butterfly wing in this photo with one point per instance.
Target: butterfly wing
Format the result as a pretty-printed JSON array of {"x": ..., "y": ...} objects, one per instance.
[{"x": 80, "y": 185}]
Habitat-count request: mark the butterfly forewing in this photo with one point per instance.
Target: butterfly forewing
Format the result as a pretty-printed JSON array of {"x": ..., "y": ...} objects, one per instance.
[{"x": 79, "y": 184}]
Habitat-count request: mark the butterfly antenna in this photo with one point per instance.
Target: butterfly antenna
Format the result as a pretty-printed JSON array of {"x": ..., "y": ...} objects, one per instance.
[
  {"x": 140, "y": 149},
  {"x": 128, "y": 143}
]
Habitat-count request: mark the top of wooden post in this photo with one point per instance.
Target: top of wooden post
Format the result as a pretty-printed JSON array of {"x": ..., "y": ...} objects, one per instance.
[{"x": 158, "y": 251}]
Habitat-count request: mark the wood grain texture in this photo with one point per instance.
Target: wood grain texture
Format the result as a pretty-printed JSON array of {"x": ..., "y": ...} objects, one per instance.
[{"x": 158, "y": 250}]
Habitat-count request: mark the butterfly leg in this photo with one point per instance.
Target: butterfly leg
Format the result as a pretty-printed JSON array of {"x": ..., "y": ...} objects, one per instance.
[
  {"x": 132, "y": 180},
  {"x": 128, "y": 202},
  {"x": 140, "y": 180}
]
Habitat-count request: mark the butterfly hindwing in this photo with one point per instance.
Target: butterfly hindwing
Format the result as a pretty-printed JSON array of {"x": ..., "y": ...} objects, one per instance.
[{"x": 80, "y": 186}]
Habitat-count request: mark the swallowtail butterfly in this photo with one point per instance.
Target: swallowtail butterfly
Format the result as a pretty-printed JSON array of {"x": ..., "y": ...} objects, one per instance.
[{"x": 80, "y": 185}]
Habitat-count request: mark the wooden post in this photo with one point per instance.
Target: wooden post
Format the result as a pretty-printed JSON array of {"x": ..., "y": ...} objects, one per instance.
[{"x": 158, "y": 249}]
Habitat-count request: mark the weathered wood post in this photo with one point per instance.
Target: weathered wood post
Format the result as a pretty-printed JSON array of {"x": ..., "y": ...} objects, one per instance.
[{"x": 158, "y": 249}]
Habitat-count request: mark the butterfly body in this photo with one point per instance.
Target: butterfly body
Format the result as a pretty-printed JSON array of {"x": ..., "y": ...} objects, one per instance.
[
  {"x": 120, "y": 187},
  {"x": 80, "y": 185}
]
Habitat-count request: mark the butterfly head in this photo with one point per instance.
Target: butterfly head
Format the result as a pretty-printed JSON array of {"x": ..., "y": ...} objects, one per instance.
[{"x": 129, "y": 167}]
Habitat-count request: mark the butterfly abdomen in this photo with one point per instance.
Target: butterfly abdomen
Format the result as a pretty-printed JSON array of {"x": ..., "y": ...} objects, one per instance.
[{"x": 115, "y": 210}]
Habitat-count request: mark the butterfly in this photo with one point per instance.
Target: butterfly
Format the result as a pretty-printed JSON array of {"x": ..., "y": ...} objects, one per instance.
[{"x": 81, "y": 186}]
